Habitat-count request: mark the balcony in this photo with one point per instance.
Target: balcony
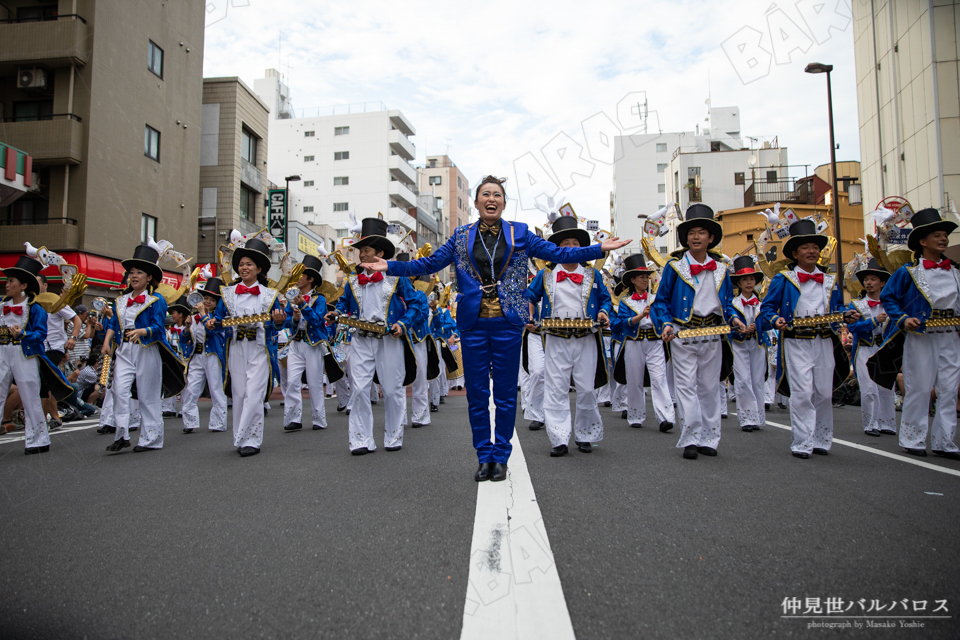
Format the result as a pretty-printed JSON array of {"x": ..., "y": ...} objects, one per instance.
[
  {"x": 400, "y": 121},
  {"x": 60, "y": 234},
  {"x": 58, "y": 140},
  {"x": 401, "y": 196},
  {"x": 54, "y": 43},
  {"x": 395, "y": 215},
  {"x": 784, "y": 190},
  {"x": 401, "y": 170},
  {"x": 402, "y": 146}
]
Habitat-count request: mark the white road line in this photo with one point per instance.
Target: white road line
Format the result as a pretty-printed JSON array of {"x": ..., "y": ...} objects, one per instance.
[
  {"x": 513, "y": 588},
  {"x": 79, "y": 425},
  {"x": 892, "y": 456}
]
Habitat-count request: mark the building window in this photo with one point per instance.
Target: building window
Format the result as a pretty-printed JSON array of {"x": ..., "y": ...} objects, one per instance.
[
  {"x": 28, "y": 211},
  {"x": 341, "y": 155},
  {"x": 771, "y": 176},
  {"x": 155, "y": 60},
  {"x": 749, "y": 237},
  {"x": 341, "y": 180},
  {"x": 459, "y": 203},
  {"x": 151, "y": 143},
  {"x": 439, "y": 203},
  {"x": 459, "y": 183},
  {"x": 661, "y": 147},
  {"x": 32, "y": 110},
  {"x": 248, "y": 204},
  {"x": 248, "y": 146},
  {"x": 342, "y": 233},
  {"x": 435, "y": 180},
  {"x": 714, "y": 145},
  {"x": 308, "y": 158},
  {"x": 341, "y": 131},
  {"x": 308, "y": 183},
  {"x": 37, "y": 14},
  {"x": 309, "y": 134},
  {"x": 661, "y": 167},
  {"x": 341, "y": 206},
  {"x": 308, "y": 209},
  {"x": 148, "y": 228},
  {"x": 661, "y": 188},
  {"x": 738, "y": 178}
]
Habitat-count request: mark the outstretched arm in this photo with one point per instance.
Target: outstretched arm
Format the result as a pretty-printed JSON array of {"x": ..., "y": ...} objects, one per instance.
[{"x": 441, "y": 258}]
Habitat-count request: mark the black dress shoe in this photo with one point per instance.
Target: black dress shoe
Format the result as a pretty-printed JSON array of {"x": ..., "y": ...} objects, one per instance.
[
  {"x": 373, "y": 402},
  {"x": 169, "y": 414},
  {"x": 293, "y": 426},
  {"x": 116, "y": 445},
  {"x": 623, "y": 414},
  {"x": 536, "y": 425},
  {"x": 767, "y": 406},
  {"x": 483, "y": 472},
  {"x": 608, "y": 404},
  {"x": 820, "y": 451},
  {"x": 707, "y": 451},
  {"x": 32, "y": 450},
  {"x": 139, "y": 449},
  {"x": 498, "y": 471},
  {"x": 872, "y": 432},
  {"x": 106, "y": 429},
  {"x": 317, "y": 427},
  {"x": 442, "y": 401},
  {"x": 186, "y": 430},
  {"x": 666, "y": 426},
  {"x": 348, "y": 411},
  {"x": 888, "y": 432},
  {"x": 459, "y": 387},
  {"x": 690, "y": 452},
  {"x": 248, "y": 451},
  {"x": 340, "y": 409},
  {"x": 417, "y": 425},
  {"x": 949, "y": 455},
  {"x": 800, "y": 454},
  {"x": 360, "y": 451},
  {"x": 723, "y": 416},
  {"x": 585, "y": 447},
  {"x": 434, "y": 408},
  {"x": 637, "y": 425},
  {"x": 558, "y": 451},
  {"x": 748, "y": 428},
  {"x": 397, "y": 448}
]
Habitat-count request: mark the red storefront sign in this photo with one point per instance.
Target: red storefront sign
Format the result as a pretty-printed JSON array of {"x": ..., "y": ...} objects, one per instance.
[{"x": 101, "y": 272}]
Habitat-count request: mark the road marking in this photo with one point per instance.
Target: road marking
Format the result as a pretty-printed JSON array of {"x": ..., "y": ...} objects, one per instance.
[
  {"x": 78, "y": 425},
  {"x": 513, "y": 588},
  {"x": 892, "y": 456}
]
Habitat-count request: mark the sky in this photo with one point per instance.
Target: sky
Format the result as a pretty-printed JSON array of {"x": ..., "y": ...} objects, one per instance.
[{"x": 534, "y": 91}]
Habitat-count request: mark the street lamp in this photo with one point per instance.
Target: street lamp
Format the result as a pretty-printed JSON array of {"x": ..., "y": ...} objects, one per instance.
[{"x": 817, "y": 67}]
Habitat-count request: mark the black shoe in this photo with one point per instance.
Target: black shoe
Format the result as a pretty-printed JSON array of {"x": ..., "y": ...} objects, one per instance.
[
  {"x": 781, "y": 405},
  {"x": 623, "y": 414},
  {"x": 767, "y": 406},
  {"x": 536, "y": 425},
  {"x": 498, "y": 471},
  {"x": 340, "y": 409},
  {"x": 707, "y": 451},
  {"x": 800, "y": 454},
  {"x": 442, "y": 400},
  {"x": 872, "y": 432},
  {"x": 348, "y": 411},
  {"x": 373, "y": 402},
  {"x": 317, "y": 427},
  {"x": 723, "y": 416},
  {"x": 637, "y": 425},
  {"x": 558, "y": 451},
  {"x": 748, "y": 428},
  {"x": 186, "y": 430},
  {"x": 417, "y": 425},
  {"x": 922, "y": 453},
  {"x": 360, "y": 451},
  {"x": 396, "y": 448},
  {"x": 888, "y": 432},
  {"x": 666, "y": 426},
  {"x": 820, "y": 451},
  {"x": 483, "y": 472},
  {"x": 134, "y": 429},
  {"x": 293, "y": 426},
  {"x": 608, "y": 404},
  {"x": 459, "y": 387},
  {"x": 32, "y": 450},
  {"x": 169, "y": 414},
  {"x": 139, "y": 449},
  {"x": 106, "y": 429},
  {"x": 116, "y": 445},
  {"x": 585, "y": 447},
  {"x": 755, "y": 427},
  {"x": 949, "y": 455},
  {"x": 690, "y": 452},
  {"x": 248, "y": 451},
  {"x": 434, "y": 408}
]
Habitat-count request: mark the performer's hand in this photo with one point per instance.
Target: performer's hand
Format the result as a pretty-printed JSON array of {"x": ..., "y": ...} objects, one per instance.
[
  {"x": 852, "y": 316},
  {"x": 105, "y": 349},
  {"x": 188, "y": 321},
  {"x": 752, "y": 327},
  {"x": 530, "y": 327},
  {"x": 646, "y": 312},
  {"x": 668, "y": 334},
  {"x": 604, "y": 320},
  {"x": 739, "y": 326},
  {"x": 296, "y": 313},
  {"x": 279, "y": 316},
  {"x": 881, "y": 318},
  {"x": 912, "y": 324},
  {"x": 99, "y": 326},
  {"x": 455, "y": 339},
  {"x": 209, "y": 324},
  {"x": 299, "y": 301},
  {"x": 331, "y": 317},
  {"x": 15, "y": 330},
  {"x": 780, "y": 324},
  {"x": 378, "y": 264},
  {"x": 396, "y": 330},
  {"x": 612, "y": 244},
  {"x": 635, "y": 320}
]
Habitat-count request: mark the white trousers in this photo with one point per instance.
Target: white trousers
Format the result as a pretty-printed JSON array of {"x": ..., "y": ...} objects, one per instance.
[
  {"x": 770, "y": 388},
  {"x": 749, "y": 373},
  {"x": 250, "y": 374},
  {"x": 107, "y": 419},
  {"x": 204, "y": 368},
  {"x": 930, "y": 362},
  {"x": 810, "y": 375},
  {"x": 438, "y": 386},
  {"x": 140, "y": 364},
  {"x": 876, "y": 403},
  {"x": 619, "y": 390},
  {"x": 169, "y": 404},
  {"x": 25, "y": 373},
  {"x": 649, "y": 354},
  {"x": 344, "y": 385},
  {"x": 533, "y": 390},
  {"x": 420, "y": 389},
  {"x": 385, "y": 357},
  {"x": 605, "y": 393},
  {"x": 563, "y": 358},
  {"x": 697, "y": 367},
  {"x": 302, "y": 357}
]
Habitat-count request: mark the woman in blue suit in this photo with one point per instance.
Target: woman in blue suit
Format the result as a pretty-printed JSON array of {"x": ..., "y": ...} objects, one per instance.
[{"x": 492, "y": 278}]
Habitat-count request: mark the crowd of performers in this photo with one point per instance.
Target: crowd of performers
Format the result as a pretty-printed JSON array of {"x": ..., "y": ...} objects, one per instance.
[{"x": 605, "y": 333}]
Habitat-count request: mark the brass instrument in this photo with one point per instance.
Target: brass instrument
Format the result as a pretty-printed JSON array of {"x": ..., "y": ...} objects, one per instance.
[
  {"x": 568, "y": 323},
  {"x": 105, "y": 370},
  {"x": 817, "y": 321},
  {"x": 379, "y": 328},
  {"x": 238, "y": 320},
  {"x": 704, "y": 332},
  {"x": 948, "y": 323}
]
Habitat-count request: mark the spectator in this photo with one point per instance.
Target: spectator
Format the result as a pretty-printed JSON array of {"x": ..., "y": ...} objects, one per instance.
[{"x": 82, "y": 350}]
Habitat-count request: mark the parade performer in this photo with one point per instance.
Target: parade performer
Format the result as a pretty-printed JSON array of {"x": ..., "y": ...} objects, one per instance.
[
  {"x": 145, "y": 364},
  {"x": 749, "y": 348},
  {"x": 641, "y": 361},
  {"x": 876, "y": 402},
  {"x": 812, "y": 359},
  {"x": 572, "y": 290},
  {"x": 926, "y": 289},
  {"x": 393, "y": 302},
  {"x": 490, "y": 259},
  {"x": 249, "y": 357},
  {"x": 206, "y": 353},
  {"x": 695, "y": 292},
  {"x": 532, "y": 361},
  {"x": 22, "y": 358}
]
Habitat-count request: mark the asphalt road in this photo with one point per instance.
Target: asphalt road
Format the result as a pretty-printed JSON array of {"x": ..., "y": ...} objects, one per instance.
[{"x": 306, "y": 541}]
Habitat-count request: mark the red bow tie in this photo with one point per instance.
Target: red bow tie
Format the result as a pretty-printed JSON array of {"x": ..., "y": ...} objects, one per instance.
[
  {"x": 176, "y": 329},
  {"x": 255, "y": 289},
  {"x": 573, "y": 277},
  {"x": 306, "y": 298},
  {"x": 751, "y": 302},
  {"x": 873, "y": 303},
  {"x": 697, "y": 269},
  {"x": 639, "y": 296},
  {"x": 807, "y": 277},
  {"x": 943, "y": 264},
  {"x": 17, "y": 311},
  {"x": 363, "y": 279},
  {"x": 196, "y": 318},
  {"x": 140, "y": 299}
]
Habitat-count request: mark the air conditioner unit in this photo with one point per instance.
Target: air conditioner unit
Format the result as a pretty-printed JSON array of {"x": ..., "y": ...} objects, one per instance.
[{"x": 31, "y": 78}]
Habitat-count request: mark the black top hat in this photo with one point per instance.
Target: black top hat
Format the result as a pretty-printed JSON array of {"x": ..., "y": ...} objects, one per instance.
[
  {"x": 802, "y": 232},
  {"x": 145, "y": 258},
  {"x": 256, "y": 250},
  {"x": 212, "y": 287},
  {"x": 402, "y": 257},
  {"x": 635, "y": 265},
  {"x": 180, "y": 305},
  {"x": 27, "y": 270},
  {"x": 925, "y": 222},
  {"x": 373, "y": 233},
  {"x": 567, "y": 227},
  {"x": 873, "y": 268},
  {"x": 699, "y": 215},
  {"x": 312, "y": 267},
  {"x": 745, "y": 266}
]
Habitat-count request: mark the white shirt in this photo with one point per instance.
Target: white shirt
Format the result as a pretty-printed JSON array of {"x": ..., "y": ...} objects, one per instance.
[
  {"x": 707, "y": 300},
  {"x": 749, "y": 311},
  {"x": 130, "y": 312},
  {"x": 645, "y": 323},
  {"x": 56, "y": 333},
  {"x": 943, "y": 288},
  {"x": 197, "y": 329},
  {"x": 371, "y": 301},
  {"x": 11, "y": 319},
  {"x": 872, "y": 313},
  {"x": 812, "y": 300},
  {"x": 567, "y": 296}
]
